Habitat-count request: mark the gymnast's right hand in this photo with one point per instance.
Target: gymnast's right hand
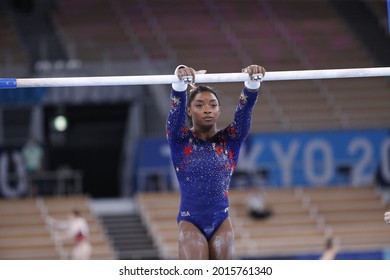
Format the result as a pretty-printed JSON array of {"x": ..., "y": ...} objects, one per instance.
[{"x": 186, "y": 76}]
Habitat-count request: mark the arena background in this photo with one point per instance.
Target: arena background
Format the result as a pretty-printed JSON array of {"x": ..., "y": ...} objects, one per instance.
[{"x": 319, "y": 149}]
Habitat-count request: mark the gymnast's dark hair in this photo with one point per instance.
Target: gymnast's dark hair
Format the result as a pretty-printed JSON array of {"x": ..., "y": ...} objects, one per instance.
[
  {"x": 329, "y": 243},
  {"x": 192, "y": 94},
  {"x": 76, "y": 212}
]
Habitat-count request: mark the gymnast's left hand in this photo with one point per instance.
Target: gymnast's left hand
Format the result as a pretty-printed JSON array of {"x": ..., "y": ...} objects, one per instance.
[
  {"x": 256, "y": 74},
  {"x": 254, "y": 69}
]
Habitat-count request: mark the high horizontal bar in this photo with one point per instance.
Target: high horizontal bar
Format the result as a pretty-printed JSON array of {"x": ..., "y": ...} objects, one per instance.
[{"x": 200, "y": 78}]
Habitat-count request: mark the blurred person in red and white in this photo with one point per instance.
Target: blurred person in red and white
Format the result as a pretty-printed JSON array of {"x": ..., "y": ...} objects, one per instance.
[
  {"x": 387, "y": 217},
  {"x": 76, "y": 228}
]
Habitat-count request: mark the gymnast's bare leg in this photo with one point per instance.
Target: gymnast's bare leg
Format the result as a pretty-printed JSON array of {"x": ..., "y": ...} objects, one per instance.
[
  {"x": 221, "y": 244},
  {"x": 193, "y": 244}
]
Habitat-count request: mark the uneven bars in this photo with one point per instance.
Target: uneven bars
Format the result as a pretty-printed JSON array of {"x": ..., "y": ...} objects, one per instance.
[{"x": 12, "y": 83}]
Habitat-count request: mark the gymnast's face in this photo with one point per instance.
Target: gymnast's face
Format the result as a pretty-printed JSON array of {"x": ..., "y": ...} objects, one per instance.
[{"x": 204, "y": 110}]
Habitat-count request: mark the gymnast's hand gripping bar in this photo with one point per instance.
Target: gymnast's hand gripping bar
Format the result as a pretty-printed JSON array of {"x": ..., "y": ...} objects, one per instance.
[{"x": 12, "y": 83}]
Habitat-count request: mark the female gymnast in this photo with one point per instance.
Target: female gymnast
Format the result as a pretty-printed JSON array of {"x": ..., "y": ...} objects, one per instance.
[
  {"x": 331, "y": 249},
  {"x": 204, "y": 159},
  {"x": 75, "y": 228}
]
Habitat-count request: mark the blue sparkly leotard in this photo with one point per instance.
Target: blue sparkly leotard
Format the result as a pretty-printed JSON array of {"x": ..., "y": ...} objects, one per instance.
[{"x": 204, "y": 168}]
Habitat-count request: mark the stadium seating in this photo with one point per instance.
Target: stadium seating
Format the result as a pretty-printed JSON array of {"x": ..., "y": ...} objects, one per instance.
[
  {"x": 11, "y": 49},
  {"x": 285, "y": 40},
  {"x": 302, "y": 220},
  {"x": 93, "y": 32},
  {"x": 223, "y": 36},
  {"x": 24, "y": 233},
  {"x": 354, "y": 215}
]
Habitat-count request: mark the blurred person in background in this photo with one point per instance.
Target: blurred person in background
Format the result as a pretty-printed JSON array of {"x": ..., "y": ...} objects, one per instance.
[
  {"x": 204, "y": 158},
  {"x": 257, "y": 205},
  {"x": 76, "y": 228},
  {"x": 33, "y": 159},
  {"x": 331, "y": 250},
  {"x": 387, "y": 217}
]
